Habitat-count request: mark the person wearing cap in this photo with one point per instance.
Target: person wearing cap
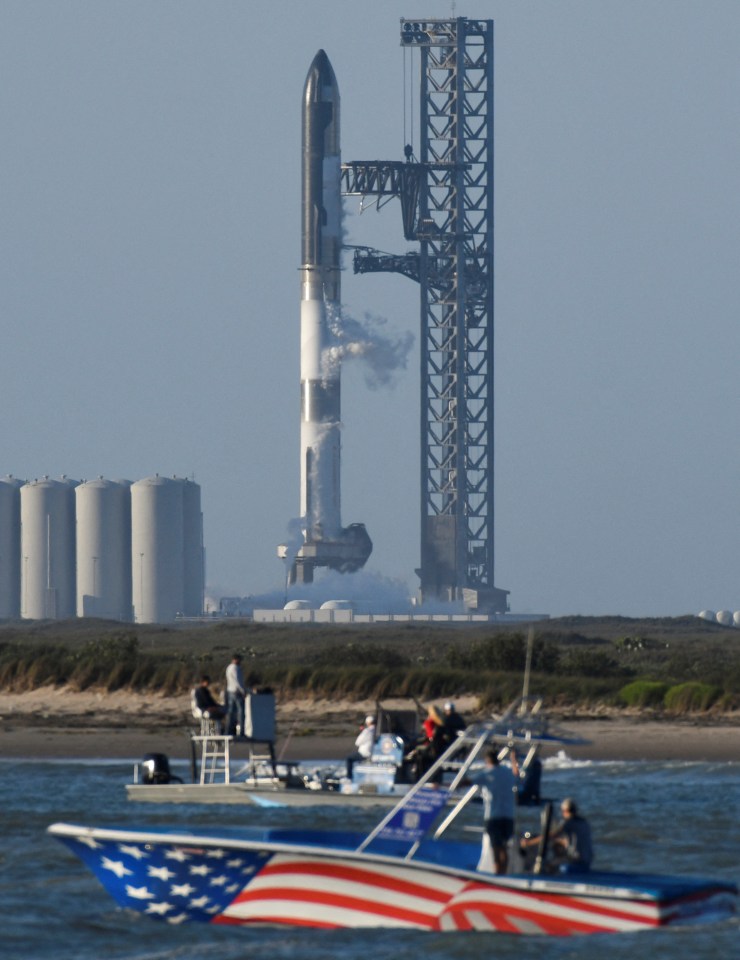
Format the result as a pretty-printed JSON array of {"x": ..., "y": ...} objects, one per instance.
[
  {"x": 571, "y": 840},
  {"x": 454, "y": 724},
  {"x": 363, "y": 744},
  {"x": 499, "y": 784}
]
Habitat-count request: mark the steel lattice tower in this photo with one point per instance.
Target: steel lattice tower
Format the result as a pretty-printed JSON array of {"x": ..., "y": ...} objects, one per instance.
[{"x": 452, "y": 191}]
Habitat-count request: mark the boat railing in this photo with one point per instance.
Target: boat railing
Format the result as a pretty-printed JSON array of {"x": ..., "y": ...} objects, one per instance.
[
  {"x": 504, "y": 730},
  {"x": 474, "y": 745}
]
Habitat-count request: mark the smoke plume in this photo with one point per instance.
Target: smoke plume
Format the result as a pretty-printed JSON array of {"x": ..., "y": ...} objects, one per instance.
[{"x": 383, "y": 353}]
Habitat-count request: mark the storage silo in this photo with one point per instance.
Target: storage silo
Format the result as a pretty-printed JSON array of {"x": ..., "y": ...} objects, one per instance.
[
  {"x": 157, "y": 549},
  {"x": 193, "y": 555},
  {"x": 104, "y": 549},
  {"x": 10, "y": 548},
  {"x": 48, "y": 549}
]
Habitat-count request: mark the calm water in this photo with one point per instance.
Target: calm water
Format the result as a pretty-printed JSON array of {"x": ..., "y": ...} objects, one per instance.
[{"x": 666, "y": 817}]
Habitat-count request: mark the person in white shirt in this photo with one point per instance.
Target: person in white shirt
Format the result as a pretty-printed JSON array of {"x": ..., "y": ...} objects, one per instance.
[
  {"x": 498, "y": 782},
  {"x": 363, "y": 744},
  {"x": 236, "y": 692}
]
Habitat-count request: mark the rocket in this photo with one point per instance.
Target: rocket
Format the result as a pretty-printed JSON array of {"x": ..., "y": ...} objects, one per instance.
[{"x": 325, "y": 541}]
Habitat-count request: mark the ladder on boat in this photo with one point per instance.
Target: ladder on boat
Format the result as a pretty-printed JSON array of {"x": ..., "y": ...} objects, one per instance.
[{"x": 215, "y": 759}]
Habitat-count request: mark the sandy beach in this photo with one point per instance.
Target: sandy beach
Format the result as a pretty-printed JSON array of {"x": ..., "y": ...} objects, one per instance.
[{"x": 59, "y": 723}]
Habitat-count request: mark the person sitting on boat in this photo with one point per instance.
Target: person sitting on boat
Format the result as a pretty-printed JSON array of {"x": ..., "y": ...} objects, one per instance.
[
  {"x": 209, "y": 707},
  {"x": 363, "y": 744},
  {"x": 454, "y": 724},
  {"x": 499, "y": 784},
  {"x": 571, "y": 840},
  {"x": 431, "y": 745}
]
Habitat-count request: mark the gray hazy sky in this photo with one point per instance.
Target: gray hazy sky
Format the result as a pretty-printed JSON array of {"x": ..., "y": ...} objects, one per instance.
[{"x": 150, "y": 184}]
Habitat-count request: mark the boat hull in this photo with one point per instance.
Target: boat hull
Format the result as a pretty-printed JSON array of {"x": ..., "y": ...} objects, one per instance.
[
  {"x": 322, "y": 880},
  {"x": 256, "y": 795}
]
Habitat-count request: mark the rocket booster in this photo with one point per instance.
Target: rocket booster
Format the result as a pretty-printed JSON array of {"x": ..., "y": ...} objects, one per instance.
[
  {"x": 325, "y": 541},
  {"x": 320, "y": 296}
]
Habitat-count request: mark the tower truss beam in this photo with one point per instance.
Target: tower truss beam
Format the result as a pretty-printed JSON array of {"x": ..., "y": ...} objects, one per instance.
[{"x": 456, "y": 280}]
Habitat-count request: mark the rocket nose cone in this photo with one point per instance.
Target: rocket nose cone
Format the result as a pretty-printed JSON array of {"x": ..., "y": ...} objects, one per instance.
[{"x": 321, "y": 83}]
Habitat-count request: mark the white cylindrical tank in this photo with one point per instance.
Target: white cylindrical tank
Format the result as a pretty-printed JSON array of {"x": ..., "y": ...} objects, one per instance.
[
  {"x": 193, "y": 555},
  {"x": 10, "y": 548},
  {"x": 724, "y": 617},
  {"x": 48, "y": 549},
  {"x": 104, "y": 549},
  {"x": 158, "y": 587}
]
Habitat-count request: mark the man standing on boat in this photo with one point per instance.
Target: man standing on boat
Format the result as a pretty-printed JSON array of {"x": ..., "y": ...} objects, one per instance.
[
  {"x": 499, "y": 784},
  {"x": 235, "y": 697},
  {"x": 363, "y": 744}
]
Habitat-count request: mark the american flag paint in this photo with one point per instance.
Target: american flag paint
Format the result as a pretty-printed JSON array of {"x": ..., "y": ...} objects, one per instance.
[{"x": 179, "y": 878}]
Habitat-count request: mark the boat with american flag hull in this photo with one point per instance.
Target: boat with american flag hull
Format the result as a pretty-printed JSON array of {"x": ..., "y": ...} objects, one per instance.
[
  {"x": 334, "y": 880},
  {"x": 414, "y": 869}
]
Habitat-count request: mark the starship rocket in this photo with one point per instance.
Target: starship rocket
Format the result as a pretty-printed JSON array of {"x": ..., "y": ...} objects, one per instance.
[{"x": 325, "y": 542}]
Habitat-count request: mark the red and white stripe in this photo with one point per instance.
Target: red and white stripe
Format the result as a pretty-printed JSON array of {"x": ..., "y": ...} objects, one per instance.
[
  {"x": 332, "y": 892},
  {"x": 306, "y": 890},
  {"x": 485, "y": 907}
]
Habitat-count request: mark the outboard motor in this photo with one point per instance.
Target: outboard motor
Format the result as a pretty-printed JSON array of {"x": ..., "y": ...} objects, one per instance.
[{"x": 155, "y": 768}]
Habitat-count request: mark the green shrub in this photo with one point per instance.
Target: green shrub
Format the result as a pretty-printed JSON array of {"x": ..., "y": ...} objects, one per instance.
[
  {"x": 506, "y": 652},
  {"x": 643, "y": 693},
  {"x": 590, "y": 663},
  {"x": 690, "y": 697}
]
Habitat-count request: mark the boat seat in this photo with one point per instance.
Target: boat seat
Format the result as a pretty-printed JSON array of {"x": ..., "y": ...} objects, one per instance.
[{"x": 208, "y": 725}]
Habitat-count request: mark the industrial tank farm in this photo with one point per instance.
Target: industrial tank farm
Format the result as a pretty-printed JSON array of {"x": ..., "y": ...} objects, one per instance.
[
  {"x": 10, "y": 538},
  {"x": 101, "y": 548},
  {"x": 166, "y": 549},
  {"x": 104, "y": 549},
  {"x": 48, "y": 549}
]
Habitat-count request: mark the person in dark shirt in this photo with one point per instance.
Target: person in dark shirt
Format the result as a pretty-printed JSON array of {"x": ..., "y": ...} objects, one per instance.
[
  {"x": 454, "y": 724},
  {"x": 572, "y": 840},
  {"x": 206, "y": 703}
]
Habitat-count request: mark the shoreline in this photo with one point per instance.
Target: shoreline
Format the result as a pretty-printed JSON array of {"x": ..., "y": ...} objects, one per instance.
[
  {"x": 609, "y": 741},
  {"x": 54, "y": 723}
]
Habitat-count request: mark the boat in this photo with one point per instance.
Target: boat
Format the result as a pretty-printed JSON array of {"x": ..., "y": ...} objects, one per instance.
[
  {"x": 385, "y": 777},
  {"x": 416, "y": 869}
]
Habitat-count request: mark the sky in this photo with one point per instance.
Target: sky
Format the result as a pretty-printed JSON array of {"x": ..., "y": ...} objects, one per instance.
[{"x": 149, "y": 220}]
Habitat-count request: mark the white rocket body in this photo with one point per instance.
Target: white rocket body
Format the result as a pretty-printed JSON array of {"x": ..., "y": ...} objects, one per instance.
[
  {"x": 325, "y": 541},
  {"x": 320, "y": 503}
]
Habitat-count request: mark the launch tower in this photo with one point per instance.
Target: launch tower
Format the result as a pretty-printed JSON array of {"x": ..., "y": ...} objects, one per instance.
[{"x": 447, "y": 205}]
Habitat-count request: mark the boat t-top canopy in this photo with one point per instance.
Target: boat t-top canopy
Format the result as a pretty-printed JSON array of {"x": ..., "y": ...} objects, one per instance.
[{"x": 523, "y": 724}]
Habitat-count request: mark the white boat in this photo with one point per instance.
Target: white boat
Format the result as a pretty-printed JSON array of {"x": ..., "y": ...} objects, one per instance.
[
  {"x": 405, "y": 873},
  {"x": 262, "y": 780}
]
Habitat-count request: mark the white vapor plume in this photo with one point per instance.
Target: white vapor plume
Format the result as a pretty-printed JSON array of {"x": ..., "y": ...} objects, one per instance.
[
  {"x": 369, "y": 592},
  {"x": 294, "y": 541},
  {"x": 383, "y": 353}
]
